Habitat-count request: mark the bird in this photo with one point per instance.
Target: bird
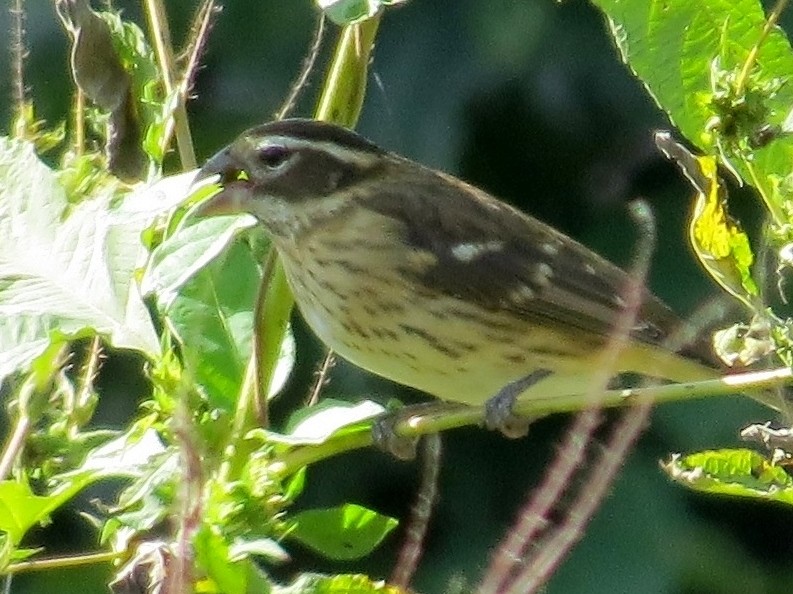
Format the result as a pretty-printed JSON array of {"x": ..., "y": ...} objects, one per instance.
[{"x": 418, "y": 277}]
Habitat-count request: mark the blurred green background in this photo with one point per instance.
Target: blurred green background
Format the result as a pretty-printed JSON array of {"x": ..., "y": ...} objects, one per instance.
[{"x": 528, "y": 100}]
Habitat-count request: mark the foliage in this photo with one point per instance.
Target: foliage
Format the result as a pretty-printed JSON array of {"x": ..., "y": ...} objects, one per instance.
[
  {"x": 103, "y": 253},
  {"x": 721, "y": 72}
]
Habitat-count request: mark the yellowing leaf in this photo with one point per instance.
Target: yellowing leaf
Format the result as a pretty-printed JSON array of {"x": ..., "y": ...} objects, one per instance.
[{"x": 719, "y": 242}]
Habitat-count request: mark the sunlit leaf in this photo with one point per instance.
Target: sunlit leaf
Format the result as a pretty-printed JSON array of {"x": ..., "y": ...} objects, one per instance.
[
  {"x": 126, "y": 456},
  {"x": 225, "y": 574},
  {"x": 743, "y": 473},
  {"x": 346, "y": 532},
  {"x": 718, "y": 241},
  {"x": 315, "y": 425},
  {"x": 347, "y": 12},
  {"x": 338, "y": 584},
  {"x": 691, "y": 57},
  {"x": 211, "y": 312},
  {"x": 20, "y": 509},
  {"x": 62, "y": 267}
]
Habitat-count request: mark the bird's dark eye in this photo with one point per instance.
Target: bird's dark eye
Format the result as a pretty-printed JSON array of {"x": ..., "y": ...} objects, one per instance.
[{"x": 273, "y": 156}]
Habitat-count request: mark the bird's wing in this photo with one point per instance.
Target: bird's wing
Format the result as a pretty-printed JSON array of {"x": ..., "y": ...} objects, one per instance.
[{"x": 487, "y": 252}]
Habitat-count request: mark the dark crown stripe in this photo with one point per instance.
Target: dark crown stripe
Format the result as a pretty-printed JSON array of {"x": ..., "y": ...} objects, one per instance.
[{"x": 315, "y": 131}]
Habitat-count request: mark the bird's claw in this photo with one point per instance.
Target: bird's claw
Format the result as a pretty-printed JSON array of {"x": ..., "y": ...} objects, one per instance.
[
  {"x": 386, "y": 438},
  {"x": 499, "y": 412}
]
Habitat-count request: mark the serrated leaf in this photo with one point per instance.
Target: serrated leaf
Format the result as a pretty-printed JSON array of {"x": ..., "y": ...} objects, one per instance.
[
  {"x": 740, "y": 472},
  {"x": 63, "y": 268},
  {"x": 20, "y": 509},
  {"x": 341, "y": 533},
  {"x": 682, "y": 50},
  {"x": 671, "y": 45}
]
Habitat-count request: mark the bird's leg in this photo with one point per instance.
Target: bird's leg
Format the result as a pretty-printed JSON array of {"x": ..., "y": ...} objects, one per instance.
[{"x": 498, "y": 410}]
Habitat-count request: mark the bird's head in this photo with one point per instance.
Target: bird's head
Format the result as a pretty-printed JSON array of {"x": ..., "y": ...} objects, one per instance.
[{"x": 291, "y": 174}]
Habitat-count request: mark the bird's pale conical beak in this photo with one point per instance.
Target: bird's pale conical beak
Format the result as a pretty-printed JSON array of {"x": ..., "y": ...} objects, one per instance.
[{"x": 232, "y": 198}]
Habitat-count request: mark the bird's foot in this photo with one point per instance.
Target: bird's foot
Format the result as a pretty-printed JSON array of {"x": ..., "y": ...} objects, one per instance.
[
  {"x": 386, "y": 438},
  {"x": 385, "y": 428},
  {"x": 499, "y": 412}
]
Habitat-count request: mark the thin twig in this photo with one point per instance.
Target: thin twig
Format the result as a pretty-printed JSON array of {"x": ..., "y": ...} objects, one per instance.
[
  {"x": 588, "y": 500},
  {"x": 191, "y": 503},
  {"x": 420, "y": 514},
  {"x": 62, "y": 562},
  {"x": 450, "y": 416},
  {"x": 533, "y": 517},
  {"x": 197, "y": 41},
  {"x": 14, "y": 444},
  {"x": 305, "y": 70},
  {"x": 321, "y": 377},
  {"x": 18, "y": 54},
  {"x": 534, "y": 573},
  {"x": 86, "y": 385},
  {"x": 161, "y": 35}
]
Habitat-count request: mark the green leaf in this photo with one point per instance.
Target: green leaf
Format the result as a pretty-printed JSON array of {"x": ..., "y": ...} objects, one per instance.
[
  {"x": 690, "y": 56},
  {"x": 212, "y": 316},
  {"x": 20, "y": 509},
  {"x": 206, "y": 278},
  {"x": 671, "y": 46},
  {"x": 63, "y": 268},
  {"x": 185, "y": 253},
  {"x": 341, "y": 533},
  {"x": 261, "y": 547},
  {"x": 104, "y": 58},
  {"x": 338, "y": 584},
  {"x": 348, "y": 12},
  {"x": 718, "y": 240},
  {"x": 139, "y": 61},
  {"x": 126, "y": 456},
  {"x": 224, "y": 574},
  {"x": 329, "y": 418},
  {"x": 295, "y": 485},
  {"x": 742, "y": 472}
]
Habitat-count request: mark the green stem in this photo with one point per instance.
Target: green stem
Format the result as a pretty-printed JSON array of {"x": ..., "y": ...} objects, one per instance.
[
  {"x": 161, "y": 35},
  {"x": 751, "y": 59},
  {"x": 61, "y": 562},
  {"x": 14, "y": 445},
  {"x": 342, "y": 97},
  {"x": 775, "y": 210},
  {"x": 445, "y": 416}
]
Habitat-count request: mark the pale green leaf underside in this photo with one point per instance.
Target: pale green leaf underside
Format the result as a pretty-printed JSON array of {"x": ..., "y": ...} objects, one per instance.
[{"x": 65, "y": 269}]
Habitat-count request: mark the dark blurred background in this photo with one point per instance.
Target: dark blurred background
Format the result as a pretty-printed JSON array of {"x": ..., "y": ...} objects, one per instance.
[{"x": 529, "y": 100}]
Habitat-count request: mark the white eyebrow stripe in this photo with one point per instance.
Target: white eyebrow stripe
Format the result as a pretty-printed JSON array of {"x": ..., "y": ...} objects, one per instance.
[{"x": 340, "y": 152}]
